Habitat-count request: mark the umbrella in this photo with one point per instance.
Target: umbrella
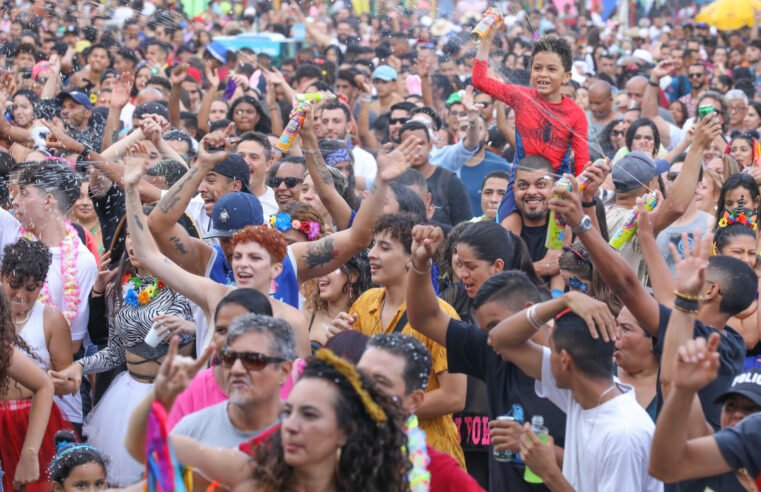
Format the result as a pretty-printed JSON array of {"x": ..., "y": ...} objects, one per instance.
[{"x": 728, "y": 15}]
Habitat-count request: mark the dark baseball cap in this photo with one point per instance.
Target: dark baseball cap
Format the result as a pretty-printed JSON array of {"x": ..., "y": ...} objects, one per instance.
[
  {"x": 234, "y": 167},
  {"x": 78, "y": 97},
  {"x": 233, "y": 212},
  {"x": 633, "y": 171},
  {"x": 747, "y": 384},
  {"x": 153, "y": 107}
]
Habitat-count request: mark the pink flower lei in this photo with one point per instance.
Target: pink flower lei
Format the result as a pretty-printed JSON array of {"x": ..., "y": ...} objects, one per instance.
[{"x": 69, "y": 254}]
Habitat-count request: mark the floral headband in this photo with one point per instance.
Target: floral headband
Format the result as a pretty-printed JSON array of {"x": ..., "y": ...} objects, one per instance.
[
  {"x": 745, "y": 216},
  {"x": 283, "y": 222},
  {"x": 352, "y": 376}
]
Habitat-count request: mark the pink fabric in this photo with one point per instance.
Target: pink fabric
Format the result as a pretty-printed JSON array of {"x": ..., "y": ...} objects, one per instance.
[{"x": 202, "y": 392}]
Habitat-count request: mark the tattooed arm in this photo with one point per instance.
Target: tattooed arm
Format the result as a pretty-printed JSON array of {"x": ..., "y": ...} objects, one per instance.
[
  {"x": 190, "y": 253},
  {"x": 339, "y": 210},
  {"x": 321, "y": 257},
  {"x": 199, "y": 289}
]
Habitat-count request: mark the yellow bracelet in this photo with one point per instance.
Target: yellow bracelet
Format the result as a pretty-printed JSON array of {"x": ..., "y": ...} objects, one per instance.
[{"x": 687, "y": 297}]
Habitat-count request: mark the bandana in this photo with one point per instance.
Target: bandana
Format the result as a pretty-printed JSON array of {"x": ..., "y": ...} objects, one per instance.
[{"x": 337, "y": 157}]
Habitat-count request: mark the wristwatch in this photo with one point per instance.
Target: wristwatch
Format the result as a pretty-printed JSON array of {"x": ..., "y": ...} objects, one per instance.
[
  {"x": 584, "y": 225},
  {"x": 85, "y": 154}
]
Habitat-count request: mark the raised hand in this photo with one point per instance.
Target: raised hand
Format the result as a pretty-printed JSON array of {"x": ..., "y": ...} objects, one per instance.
[
  {"x": 121, "y": 91},
  {"x": 179, "y": 74},
  {"x": 596, "y": 314},
  {"x": 215, "y": 146},
  {"x": 707, "y": 130},
  {"x": 691, "y": 265},
  {"x": 359, "y": 79},
  {"x": 392, "y": 164},
  {"x": 58, "y": 139},
  {"x": 663, "y": 68},
  {"x": 176, "y": 372},
  {"x": 596, "y": 173},
  {"x": 468, "y": 99},
  {"x": 135, "y": 164},
  {"x": 212, "y": 75},
  {"x": 7, "y": 84},
  {"x": 645, "y": 219},
  {"x": 151, "y": 129},
  {"x": 426, "y": 242},
  {"x": 697, "y": 363},
  {"x": 105, "y": 275}
]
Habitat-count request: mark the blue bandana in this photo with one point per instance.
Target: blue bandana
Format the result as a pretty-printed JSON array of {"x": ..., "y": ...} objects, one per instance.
[{"x": 337, "y": 157}]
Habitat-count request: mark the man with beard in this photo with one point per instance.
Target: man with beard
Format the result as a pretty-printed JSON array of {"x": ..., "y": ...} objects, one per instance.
[
  {"x": 334, "y": 119},
  {"x": 83, "y": 123},
  {"x": 698, "y": 74}
]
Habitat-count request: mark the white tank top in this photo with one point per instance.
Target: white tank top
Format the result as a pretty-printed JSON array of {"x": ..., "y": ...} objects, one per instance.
[{"x": 33, "y": 333}]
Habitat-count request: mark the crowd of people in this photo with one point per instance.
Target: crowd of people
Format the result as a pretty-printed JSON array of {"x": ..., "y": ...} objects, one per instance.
[{"x": 395, "y": 257}]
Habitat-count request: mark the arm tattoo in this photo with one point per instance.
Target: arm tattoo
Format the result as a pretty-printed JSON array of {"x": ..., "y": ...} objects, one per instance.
[
  {"x": 319, "y": 253},
  {"x": 169, "y": 200},
  {"x": 315, "y": 158},
  {"x": 178, "y": 245},
  {"x": 138, "y": 222}
]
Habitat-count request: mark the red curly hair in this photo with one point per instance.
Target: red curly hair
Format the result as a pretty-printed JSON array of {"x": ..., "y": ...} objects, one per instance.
[{"x": 267, "y": 237}]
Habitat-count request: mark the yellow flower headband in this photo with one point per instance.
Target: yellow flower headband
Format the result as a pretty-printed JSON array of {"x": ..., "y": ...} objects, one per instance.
[{"x": 348, "y": 371}]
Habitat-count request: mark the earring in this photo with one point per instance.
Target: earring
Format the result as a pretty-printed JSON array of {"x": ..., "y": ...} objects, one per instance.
[{"x": 338, "y": 460}]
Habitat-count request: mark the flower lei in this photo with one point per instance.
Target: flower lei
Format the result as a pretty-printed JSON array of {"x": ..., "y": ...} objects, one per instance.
[
  {"x": 420, "y": 477},
  {"x": 69, "y": 254},
  {"x": 137, "y": 292},
  {"x": 739, "y": 216},
  {"x": 282, "y": 222}
]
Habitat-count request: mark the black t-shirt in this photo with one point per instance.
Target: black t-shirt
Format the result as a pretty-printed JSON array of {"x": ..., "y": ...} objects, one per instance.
[
  {"x": 92, "y": 135},
  {"x": 449, "y": 197},
  {"x": 110, "y": 209},
  {"x": 741, "y": 445},
  {"x": 535, "y": 238},
  {"x": 509, "y": 390},
  {"x": 731, "y": 355}
]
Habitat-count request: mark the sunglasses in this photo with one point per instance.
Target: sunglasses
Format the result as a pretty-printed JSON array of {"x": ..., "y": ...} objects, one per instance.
[
  {"x": 252, "y": 361},
  {"x": 289, "y": 182},
  {"x": 398, "y": 121},
  {"x": 580, "y": 257},
  {"x": 616, "y": 133},
  {"x": 696, "y": 75}
]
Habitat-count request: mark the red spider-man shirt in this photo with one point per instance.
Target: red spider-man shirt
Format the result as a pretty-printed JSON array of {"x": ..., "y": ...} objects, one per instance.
[{"x": 548, "y": 129}]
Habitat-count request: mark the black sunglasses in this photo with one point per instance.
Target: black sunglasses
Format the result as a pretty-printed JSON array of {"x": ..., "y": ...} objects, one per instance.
[
  {"x": 398, "y": 121},
  {"x": 289, "y": 182},
  {"x": 696, "y": 75},
  {"x": 252, "y": 361},
  {"x": 616, "y": 133}
]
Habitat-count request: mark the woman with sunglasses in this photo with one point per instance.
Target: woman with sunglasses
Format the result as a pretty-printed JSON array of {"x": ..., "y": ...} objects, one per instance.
[{"x": 613, "y": 137}]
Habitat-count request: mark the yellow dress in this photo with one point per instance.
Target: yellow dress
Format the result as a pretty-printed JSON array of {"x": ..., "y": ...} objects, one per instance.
[{"x": 441, "y": 432}]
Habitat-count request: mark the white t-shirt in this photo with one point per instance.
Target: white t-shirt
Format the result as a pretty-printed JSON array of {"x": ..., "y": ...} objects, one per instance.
[
  {"x": 269, "y": 204},
  {"x": 606, "y": 447},
  {"x": 364, "y": 163},
  {"x": 195, "y": 211},
  {"x": 87, "y": 272},
  {"x": 9, "y": 230}
]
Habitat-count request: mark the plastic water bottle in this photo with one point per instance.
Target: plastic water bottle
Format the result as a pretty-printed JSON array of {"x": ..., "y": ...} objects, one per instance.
[
  {"x": 504, "y": 456},
  {"x": 538, "y": 428}
]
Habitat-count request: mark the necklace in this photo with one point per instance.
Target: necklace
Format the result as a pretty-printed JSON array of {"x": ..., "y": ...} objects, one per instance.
[
  {"x": 602, "y": 395},
  {"x": 20, "y": 323},
  {"x": 70, "y": 283},
  {"x": 138, "y": 291}
]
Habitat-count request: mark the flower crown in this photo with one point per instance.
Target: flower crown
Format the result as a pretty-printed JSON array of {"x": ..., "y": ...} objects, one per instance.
[
  {"x": 352, "y": 376},
  {"x": 745, "y": 216},
  {"x": 283, "y": 222}
]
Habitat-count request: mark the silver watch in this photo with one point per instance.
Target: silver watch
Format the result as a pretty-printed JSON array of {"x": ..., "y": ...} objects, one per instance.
[{"x": 584, "y": 225}]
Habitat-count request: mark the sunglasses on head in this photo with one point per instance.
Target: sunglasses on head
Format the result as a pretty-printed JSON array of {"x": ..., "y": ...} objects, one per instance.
[
  {"x": 289, "y": 182},
  {"x": 252, "y": 361}
]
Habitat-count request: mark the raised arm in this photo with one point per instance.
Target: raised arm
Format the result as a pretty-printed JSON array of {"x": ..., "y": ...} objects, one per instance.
[
  {"x": 660, "y": 275},
  {"x": 318, "y": 258},
  {"x": 423, "y": 309},
  {"x": 613, "y": 268},
  {"x": 190, "y": 253},
  {"x": 212, "y": 76},
  {"x": 507, "y": 129},
  {"x": 321, "y": 177},
  {"x": 119, "y": 99},
  {"x": 176, "y": 78},
  {"x": 199, "y": 289},
  {"x": 674, "y": 457},
  {"x": 511, "y": 338},
  {"x": 651, "y": 96},
  {"x": 480, "y": 78},
  {"x": 682, "y": 192}
]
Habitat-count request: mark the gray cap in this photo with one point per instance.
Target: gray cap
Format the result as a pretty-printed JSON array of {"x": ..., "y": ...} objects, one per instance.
[{"x": 633, "y": 171}]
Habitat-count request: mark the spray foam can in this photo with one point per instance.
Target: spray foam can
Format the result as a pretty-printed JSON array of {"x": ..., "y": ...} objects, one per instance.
[
  {"x": 490, "y": 19},
  {"x": 292, "y": 129},
  {"x": 555, "y": 223},
  {"x": 626, "y": 231}
]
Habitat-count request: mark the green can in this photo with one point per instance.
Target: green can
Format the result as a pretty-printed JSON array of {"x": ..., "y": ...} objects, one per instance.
[{"x": 704, "y": 111}]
